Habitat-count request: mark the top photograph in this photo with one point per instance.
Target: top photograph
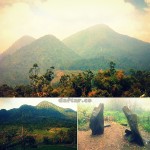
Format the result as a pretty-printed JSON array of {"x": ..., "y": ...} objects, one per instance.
[{"x": 74, "y": 48}]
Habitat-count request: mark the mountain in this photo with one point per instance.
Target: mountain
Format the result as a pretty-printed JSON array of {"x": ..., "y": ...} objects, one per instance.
[
  {"x": 99, "y": 44},
  {"x": 48, "y": 105},
  {"x": 93, "y": 48},
  {"x": 45, "y": 113},
  {"x": 46, "y": 51},
  {"x": 23, "y": 41}
]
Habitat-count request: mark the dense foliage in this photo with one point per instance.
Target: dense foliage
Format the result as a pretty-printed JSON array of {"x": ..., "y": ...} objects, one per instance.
[
  {"x": 81, "y": 51},
  {"x": 104, "y": 83},
  {"x": 31, "y": 126},
  {"x": 113, "y": 113}
]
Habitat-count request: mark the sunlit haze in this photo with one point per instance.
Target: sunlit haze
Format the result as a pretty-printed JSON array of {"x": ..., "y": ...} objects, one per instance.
[
  {"x": 143, "y": 103},
  {"x": 63, "y": 18},
  {"x": 9, "y": 103}
]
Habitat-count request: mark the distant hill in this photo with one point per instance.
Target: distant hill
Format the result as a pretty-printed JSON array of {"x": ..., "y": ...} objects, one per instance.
[
  {"x": 99, "y": 44},
  {"x": 93, "y": 48},
  {"x": 46, "y": 51},
  {"x": 44, "y": 113},
  {"x": 23, "y": 41},
  {"x": 48, "y": 105}
]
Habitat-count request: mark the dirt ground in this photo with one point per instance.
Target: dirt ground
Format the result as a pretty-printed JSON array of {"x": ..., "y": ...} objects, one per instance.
[{"x": 112, "y": 139}]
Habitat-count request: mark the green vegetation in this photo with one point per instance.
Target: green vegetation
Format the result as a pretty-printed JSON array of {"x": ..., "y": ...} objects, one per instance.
[
  {"x": 38, "y": 138},
  {"x": 81, "y": 51},
  {"x": 45, "y": 51},
  {"x": 35, "y": 126},
  {"x": 145, "y": 126},
  {"x": 84, "y": 113},
  {"x": 118, "y": 116},
  {"x": 108, "y": 83},
  {"x": 107, "y": 45},
  {"x": 48, "y": 147},
  {"x": 113, "y": 112},
  {"x": 144, "y": 120},
  {"x": 55, "y": 148}
]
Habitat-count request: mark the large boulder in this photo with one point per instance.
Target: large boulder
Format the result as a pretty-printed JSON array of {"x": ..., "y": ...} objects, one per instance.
[
  {"x": 133, "y": 135},
  {"x": 97, "y": 120}
]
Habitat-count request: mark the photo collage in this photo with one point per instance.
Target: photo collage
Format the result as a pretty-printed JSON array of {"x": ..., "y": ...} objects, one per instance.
[{"x": 74, "y": 75}]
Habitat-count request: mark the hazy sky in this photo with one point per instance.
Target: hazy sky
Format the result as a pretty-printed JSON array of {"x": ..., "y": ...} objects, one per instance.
[
  {"x": 65, "y": 17},
  {"x": 9, "y": 103},
  {"x": 143, "y": 103}
]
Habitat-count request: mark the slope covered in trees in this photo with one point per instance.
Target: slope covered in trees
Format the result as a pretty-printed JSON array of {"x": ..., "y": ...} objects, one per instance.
[
  {"x": 103, "y": 83},
  {"x": 46, "y": 51},
  {"x": 35, "y": 115},
  {"x": 37, "y": 126},
  {"x": 92, "y": 48},
  {"x": 100, "y": 44}
]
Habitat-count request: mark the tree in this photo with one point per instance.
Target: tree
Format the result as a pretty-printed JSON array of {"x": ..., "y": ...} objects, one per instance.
[
  {"x": 62, "y": 135},
  {"x": 23, "y": 91},
  {"x": 88, "y": 77},
  {"x": 47, "y": 140},
  {"x": 72, "y": 134},
  {"x": 41, "y": 84},
  {"x": 112, "y": 68},
  {"x": 49, "y": 75},
  {"x": 64, "y": 81},
  {"x": 9, "y": 136},
  {"x": 6, "y": 91},
  {"x": 33, "y": 75},
  {"x": 30, "y": 141},
  {"x": 82, "y": 83},
  {"x": 34, "y": 71}
]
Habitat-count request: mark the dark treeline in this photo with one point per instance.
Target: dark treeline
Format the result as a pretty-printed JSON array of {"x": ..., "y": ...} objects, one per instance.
[
  {"x": 35, "y": 126},
  {"x": 23, "y": 138},
  {"x": 104, "y": 83}
]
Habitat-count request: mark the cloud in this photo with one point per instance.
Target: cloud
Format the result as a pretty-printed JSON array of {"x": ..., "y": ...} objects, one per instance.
[
  {"x": 4, "y": 3},
  {"x": 63, "y": 18},
  {"x": 139, "y": 4}
]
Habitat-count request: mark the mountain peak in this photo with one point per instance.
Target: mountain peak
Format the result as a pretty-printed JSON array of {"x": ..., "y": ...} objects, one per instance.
[
  {"x": 46, "y": 104},
  {"x": 100, "y": 27},
  {"x": 48, "y": 39},
  {"x": 21, "y": 42},
  {"x": 48, "y": 36},
  {"x": 69, "y": 110}
]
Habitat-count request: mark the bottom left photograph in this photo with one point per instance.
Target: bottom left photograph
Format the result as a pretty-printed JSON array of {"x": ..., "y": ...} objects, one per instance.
[{"x": 42, "y": 124}]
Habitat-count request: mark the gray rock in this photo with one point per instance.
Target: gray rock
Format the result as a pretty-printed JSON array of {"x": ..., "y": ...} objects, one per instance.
[
  {"x": 97, "y": 120},
  {"x": 132, "y": 121}
]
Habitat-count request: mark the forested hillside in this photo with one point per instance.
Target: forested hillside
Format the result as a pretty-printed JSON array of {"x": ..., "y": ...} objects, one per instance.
[
  {"x": 38, "y": 126},
  {"x": 93, "y": 48},
  {"x": 100, "y": 44},
  {"x": 46, "y": 51},
  {"x": 101, "y": 83},
  {"x": 42, "y": 115}
]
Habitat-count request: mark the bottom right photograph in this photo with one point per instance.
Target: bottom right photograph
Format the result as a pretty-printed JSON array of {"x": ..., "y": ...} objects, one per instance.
[{"x": 114, "y": 124}]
